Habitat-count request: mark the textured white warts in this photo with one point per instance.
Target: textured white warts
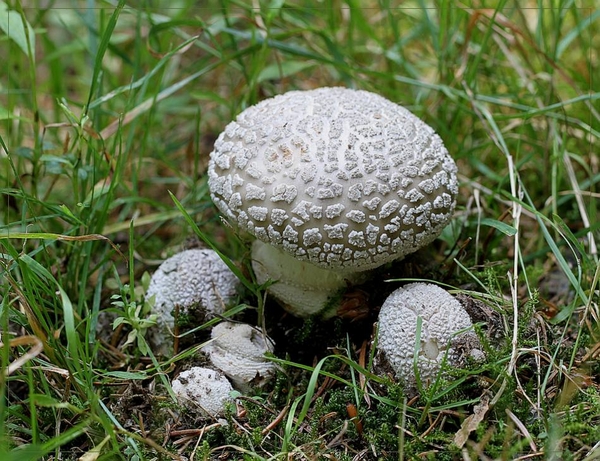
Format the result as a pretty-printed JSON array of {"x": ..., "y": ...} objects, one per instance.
[
  {"x": 442, "y": 317},
  {"x": 308, "y": 171},
  {"x": 192, "y": 279},
  {"x": 204, "y": 390}
]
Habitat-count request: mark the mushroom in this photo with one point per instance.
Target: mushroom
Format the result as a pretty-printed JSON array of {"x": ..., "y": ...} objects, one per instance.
[
  {"x": 303, "y": 287},
  {"x": 335, "y": 180},
  {"x": 445, "y": 333},
  {"x": 204, "y": 390},
  {"x": 196, "y": 282},
  {"x": 238, "y": 350}
]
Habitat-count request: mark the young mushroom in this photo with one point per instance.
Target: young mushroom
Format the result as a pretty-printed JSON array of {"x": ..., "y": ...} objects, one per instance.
[
  {"x": 445, "y": 334},
  {"x": 238, "y": 350},
  {"x": 195, "y": 283},
  {"x": 336, "y": 181},
  {"x": 204, "y": 390}
]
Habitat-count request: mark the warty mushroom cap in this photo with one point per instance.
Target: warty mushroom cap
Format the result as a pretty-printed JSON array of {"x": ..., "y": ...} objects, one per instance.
[
  {"x": 444, "y": 333},
  {"x": 203, "y": 389},
  {"x": 343, "y": 179},
  {"x": 238, "y": 350},
  {"x": 192, "y": 279}
]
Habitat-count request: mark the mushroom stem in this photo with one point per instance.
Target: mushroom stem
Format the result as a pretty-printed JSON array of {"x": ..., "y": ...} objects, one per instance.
[{"x": 303, "y": 288}]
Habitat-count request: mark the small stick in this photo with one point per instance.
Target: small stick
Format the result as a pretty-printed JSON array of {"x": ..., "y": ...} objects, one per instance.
[
  {"x": 273, "y": 424},
  {"x": 353, "y": 413}
]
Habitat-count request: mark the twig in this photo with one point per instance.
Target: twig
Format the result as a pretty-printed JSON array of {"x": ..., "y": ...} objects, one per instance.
[
  {"x": 336, "y": 440},
  {"x": 273, "y": 424}
]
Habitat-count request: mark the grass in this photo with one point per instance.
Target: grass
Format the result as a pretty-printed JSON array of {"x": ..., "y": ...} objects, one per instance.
[{"x": 107, "y": 108}]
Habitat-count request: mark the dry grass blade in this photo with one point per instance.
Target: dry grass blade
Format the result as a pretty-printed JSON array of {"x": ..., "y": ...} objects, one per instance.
[
  {"x": 64, "y": 238},
  {"x": 362, "y": 379},
  {"x": 36, "y": 349},
  {"x": 593, "y": 247},
  {"x": 523, "y": 429},
  {"x": 591, "y": 314}
]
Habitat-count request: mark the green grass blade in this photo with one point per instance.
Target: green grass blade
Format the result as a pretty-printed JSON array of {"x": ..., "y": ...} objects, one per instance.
[{"x": 98, "y": 58}]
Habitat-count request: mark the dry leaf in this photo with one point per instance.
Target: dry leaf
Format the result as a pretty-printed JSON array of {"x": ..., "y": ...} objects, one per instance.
[{"x": 472, "y": 421}]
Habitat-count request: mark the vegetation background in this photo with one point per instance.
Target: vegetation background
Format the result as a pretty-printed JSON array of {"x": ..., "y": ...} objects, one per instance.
[{"x": 106, "y": 107}]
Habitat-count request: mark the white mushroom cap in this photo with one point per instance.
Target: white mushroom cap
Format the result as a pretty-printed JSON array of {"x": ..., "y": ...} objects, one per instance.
[
  {"x": 204, "y": 390},
  {"x": 193, "y": 279},
  {"x": 238, "y": 350},
  {"x": 344, "y": 179},
  {"x": 442, "y": 318}
]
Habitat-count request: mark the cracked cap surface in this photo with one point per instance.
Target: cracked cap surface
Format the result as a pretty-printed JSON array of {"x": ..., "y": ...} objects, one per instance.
[{"x": 345, "y": 179}]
